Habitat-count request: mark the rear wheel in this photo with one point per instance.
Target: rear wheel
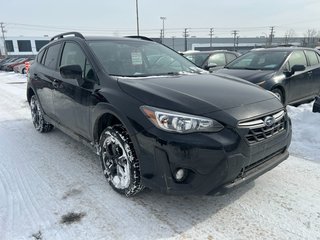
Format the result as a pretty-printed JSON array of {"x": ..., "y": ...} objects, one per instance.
[
  {"x": 279, "y": 94},
  {"x": 37, "y": 117},
  {"x": 119, "y": 161}
]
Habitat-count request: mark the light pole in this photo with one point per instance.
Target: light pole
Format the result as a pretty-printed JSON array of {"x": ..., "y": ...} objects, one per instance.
[
  {"x": 163, "y": 19},
  {"x": 266, "y": 37},
  {"x": 137, "y": 13}
]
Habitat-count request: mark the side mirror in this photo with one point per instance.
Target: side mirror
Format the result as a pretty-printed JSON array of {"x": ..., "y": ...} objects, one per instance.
[
  {"x": 212, "y": 65},
  {"x": 71, "y": 71},
  {"x": 295, "y": 68}
]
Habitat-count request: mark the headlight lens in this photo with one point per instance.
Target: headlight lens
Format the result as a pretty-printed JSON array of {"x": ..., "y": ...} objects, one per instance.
[{"x": 179, "y": 122}]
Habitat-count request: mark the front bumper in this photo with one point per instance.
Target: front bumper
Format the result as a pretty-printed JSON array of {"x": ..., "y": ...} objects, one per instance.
[{"x": 216, "y": 162}]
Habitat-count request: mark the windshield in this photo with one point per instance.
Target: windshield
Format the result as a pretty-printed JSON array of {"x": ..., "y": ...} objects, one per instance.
[
  {"x": 259, "y": 60},
  {"x": 140, "y": 58},
  {"x": 197, "y": 58}
]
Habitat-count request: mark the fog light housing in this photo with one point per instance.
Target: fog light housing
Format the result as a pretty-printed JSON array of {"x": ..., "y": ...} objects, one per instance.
[{"x": 180, "y": 174}]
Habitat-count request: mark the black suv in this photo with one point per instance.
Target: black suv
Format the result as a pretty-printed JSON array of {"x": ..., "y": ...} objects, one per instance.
[{"x": 154, "y": 118}]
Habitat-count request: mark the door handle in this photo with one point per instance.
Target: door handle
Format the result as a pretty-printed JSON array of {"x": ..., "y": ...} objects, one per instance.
[{"x": 310, "y": 73}]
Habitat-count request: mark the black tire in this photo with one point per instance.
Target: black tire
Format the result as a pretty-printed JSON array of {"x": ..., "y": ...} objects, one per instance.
[
  {"x": 23, "y": 71},
  {"x": 279, "y": 94},
  {"x": 37, "y": 117},
  {"x": 120, "y": 164}
]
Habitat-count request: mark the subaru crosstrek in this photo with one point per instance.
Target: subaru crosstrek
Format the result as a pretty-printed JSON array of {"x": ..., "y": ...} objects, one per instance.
[{"x": 155, "y": 119}]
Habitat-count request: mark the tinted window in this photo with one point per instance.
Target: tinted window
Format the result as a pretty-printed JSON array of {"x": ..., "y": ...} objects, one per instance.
[
  {"x": 217, "y": 58},
  {"x": 230, "y": 57},
  {"x": 40, "y": 44},
  {"x": 311, "y": 55},
  {"x": 44, "y": 56},
  {"x": 72, "y": 55},
  {"x": 88, "y": 71},
  {"x": 24, "y": 46},
  {"x": 297, "y": 58},
  {"x": 39, "y": 56},
  {"x": 52, "y": 56},
  {"x": 259, "y": 60},
  {"x": 9, "y": 46}
]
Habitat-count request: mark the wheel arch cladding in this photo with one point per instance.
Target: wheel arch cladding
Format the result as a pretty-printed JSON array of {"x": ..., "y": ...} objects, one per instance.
[{"x": 30, "y": 93}]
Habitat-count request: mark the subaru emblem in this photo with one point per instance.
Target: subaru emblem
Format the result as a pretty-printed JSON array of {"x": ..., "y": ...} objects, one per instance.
[{"x": 269, "y": 121}]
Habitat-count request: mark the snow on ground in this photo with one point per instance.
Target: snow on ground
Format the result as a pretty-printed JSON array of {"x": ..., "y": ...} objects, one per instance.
[{"x": 45, "y": 178}]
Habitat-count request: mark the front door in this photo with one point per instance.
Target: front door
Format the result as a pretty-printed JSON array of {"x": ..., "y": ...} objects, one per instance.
[
  {"x": 72, "y": 97},
  {"x": 299, "y": 82}
]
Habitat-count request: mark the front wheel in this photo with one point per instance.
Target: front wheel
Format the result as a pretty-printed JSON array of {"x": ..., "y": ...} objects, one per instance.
[
  {"x": 279, "y": 94},
  {"x": 120, "y": 164},
  {"x": 37, "y": 117}
]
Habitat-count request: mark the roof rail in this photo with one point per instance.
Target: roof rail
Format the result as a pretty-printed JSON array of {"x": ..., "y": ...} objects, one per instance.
[
  {"x": 62, "y": 35},
  {"x": 140, "y": 37}
]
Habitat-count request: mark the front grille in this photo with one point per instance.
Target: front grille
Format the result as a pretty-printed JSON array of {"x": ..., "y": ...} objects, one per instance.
[{"x": 261, "y": 129}]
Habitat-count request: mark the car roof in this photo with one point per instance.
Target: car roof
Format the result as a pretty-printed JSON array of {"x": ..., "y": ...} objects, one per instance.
[
  {"x": 278, "y": 49},
  {"x": 207, "y": 52},
  {"x": 79, "y": 36}
]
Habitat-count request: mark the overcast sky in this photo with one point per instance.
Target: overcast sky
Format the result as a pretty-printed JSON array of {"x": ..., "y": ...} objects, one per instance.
[{"x": 106, "y": 17}]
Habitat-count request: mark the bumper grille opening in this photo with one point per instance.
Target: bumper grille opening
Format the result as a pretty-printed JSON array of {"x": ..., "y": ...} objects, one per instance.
[
  {"x": 264, "y": 127},
  {"x": 260, "y": 134},
  {"x": 252, "y": 166}
]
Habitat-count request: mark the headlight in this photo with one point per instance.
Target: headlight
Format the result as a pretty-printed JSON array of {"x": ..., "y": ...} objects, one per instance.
[{"x": 179, "y": 122}]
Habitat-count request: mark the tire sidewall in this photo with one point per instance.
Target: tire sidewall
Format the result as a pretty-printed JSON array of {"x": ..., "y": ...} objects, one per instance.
[{"x": 121, "y": 135}]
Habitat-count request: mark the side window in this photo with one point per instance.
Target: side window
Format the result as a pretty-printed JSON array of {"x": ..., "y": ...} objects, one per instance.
[
  {"x": 44, "y": 56},
  {"x": 39, "y": 56},
  {"x": 311, "y": 55},
  {"x": 52, "y": 56},
  {"x": 88, "y": 71},
  {"x": 217, "y": 58},
  {"x": 318, "y": 56},
  {"x": 297, "y": 58},
  {"x": 73, "y": 55},
  {"x": 230, "y": 57}
]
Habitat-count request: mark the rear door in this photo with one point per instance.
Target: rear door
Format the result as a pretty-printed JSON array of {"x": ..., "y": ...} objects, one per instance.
[
  {"x": 44, "y": 77},
  {"x": 72, "y": 97},
  {"x": 314, "y": 69}
]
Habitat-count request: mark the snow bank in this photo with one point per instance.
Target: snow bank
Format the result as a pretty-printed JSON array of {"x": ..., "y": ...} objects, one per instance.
[{"x": 306, "y": 134}]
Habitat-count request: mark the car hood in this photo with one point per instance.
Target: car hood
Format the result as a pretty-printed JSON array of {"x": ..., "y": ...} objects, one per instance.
[
  {"x": 195, "y": 94},
  {"x": 254, "y": 76}
]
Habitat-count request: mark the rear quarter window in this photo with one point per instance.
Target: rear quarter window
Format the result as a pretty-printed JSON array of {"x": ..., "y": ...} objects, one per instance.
[
  {"x": 39, "y": 56},
  {"x": 52, "y": 56}
]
